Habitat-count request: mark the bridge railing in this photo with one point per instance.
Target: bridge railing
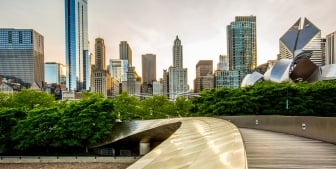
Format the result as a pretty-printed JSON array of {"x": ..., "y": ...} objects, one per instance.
[{"x": 319, "y": 128}]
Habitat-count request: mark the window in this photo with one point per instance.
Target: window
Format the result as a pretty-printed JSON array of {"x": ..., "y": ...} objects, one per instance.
[
  {"x": 10, "y": 39},
  {"x": 31, "y": 37},
  {"x": 20, "y": 37}
]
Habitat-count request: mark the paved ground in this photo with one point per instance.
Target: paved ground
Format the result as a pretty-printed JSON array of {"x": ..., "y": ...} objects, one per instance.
[{"x": 276, "y": 150}]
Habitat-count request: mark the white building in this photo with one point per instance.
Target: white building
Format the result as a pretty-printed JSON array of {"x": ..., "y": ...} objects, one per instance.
[{"x": 178, "y": 79}]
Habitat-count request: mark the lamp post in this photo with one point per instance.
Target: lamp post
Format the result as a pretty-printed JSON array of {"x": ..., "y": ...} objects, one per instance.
[{"x": 287, "y": 106}]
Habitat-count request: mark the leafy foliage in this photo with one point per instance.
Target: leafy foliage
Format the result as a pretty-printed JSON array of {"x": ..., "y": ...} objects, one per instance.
[
  {"x": 127, "y": 107},
  {"x": 300, "y": 99},
  {"x": 31, "y": 99}
]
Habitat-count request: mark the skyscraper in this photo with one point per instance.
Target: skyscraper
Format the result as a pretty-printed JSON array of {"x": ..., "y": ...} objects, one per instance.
[
  {"x": 77, "y": 54},
  {"x": 125, "y": 52},
  {"x": 148, "y": 72},
  {"x": 22, "y": 56},
  {"x": 204, "y": 76},
  {"x": 165, "y": 83},
  {"x": 331, "y": 48},
  {"x": 100, "y": 53},
  {"x": 102, "y": 80},
  {"x": 299, "y": 39},
  {"x": 242, "y": 45},
  {"x": 177, "y": 53},
  {"x": 178, "y": 79}
]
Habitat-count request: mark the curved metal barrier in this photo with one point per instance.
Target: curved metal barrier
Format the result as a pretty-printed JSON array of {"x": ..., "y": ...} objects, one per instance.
[
  {"x": 319, "y": 128},
  {"x": 196, "y": 143}
]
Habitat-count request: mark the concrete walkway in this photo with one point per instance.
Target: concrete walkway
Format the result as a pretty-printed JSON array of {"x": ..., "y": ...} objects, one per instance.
[{"x": 269, "y": 150}]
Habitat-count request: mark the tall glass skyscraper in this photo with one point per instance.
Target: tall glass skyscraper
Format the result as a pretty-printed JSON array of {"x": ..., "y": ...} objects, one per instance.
[
  {"x": 22, "y": 56},
  {"x": 242, "y": 45},
  {"x": 77, "y": 54}
]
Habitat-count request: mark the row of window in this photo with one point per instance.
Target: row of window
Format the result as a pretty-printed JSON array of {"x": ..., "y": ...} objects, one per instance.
[{"x": 17, "y": 37}]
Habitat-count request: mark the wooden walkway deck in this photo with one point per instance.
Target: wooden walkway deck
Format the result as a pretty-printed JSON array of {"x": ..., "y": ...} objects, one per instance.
[{"x": 267, "y": 150}]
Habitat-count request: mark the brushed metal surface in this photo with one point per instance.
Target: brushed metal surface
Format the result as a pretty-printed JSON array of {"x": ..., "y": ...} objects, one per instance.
[
  {"x": 194, "y": 143},
  {"x": 198, "y": 143}
]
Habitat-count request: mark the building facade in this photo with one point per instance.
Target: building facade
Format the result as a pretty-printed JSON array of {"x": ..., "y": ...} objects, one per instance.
[
  {"x": 227, "y": 79},
  {"x": 157, "y": 88},
  {"x": 54, "y": 73},
  {"x": 76, "y": 45},
  {"x": 242, "y": 45},
  {"x": 330, "y": 47},
  {"x": 223, "y": 63},
  {"x": 22, "y": 56},
  {"x": 133, "y": 82},
  {"x": 125, "y": 52},
  {"x": 204, "y": 76},
  {"x": 165, "y": 83},
  {"x": 118, "y": 69},
  {"x": 300, "y": 39},
  {"x": 148, "y": 72},
  {"x": 178, "y": 76},
  {"x": 102, "y": 80}
]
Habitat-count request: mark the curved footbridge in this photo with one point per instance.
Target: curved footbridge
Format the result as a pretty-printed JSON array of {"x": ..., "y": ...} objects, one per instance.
[
  {"x": 192, "y": 143},
  {"x": 210, "y": 143}
]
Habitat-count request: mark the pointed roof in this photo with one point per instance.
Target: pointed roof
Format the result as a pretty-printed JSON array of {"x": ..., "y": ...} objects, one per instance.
[
  {"x": 307, "y": 33},
  {"x": 177, "y": 41},
  {"x": 290, "y": 37},
  {"x": 297, "y": 38}
]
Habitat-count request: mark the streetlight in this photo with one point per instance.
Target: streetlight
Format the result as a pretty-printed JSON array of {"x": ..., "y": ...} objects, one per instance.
[{"x": 287, "y": 101}]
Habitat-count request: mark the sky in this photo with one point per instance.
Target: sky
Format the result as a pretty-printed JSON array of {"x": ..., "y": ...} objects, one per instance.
[{"x": 151, "y": 26}]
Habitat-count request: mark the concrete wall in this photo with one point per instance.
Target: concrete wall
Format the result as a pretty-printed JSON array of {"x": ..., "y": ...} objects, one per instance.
[
  {"x": 66, "y": 159},
  {"x": 319, "y": 128}
]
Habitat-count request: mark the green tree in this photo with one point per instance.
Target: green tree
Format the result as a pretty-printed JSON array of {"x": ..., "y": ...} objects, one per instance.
[
  {"x": 183, "y": 106},
  {"x": 86, "y": 122},
  {"x": 5, "y": 99},
  {"x": 127, "y": 107},
  {"x": 158, "y": 106},
  {"x": 31, "y": 99},
  {"x": 9, "y": 117},
  {"x": 37, "y": 130}
]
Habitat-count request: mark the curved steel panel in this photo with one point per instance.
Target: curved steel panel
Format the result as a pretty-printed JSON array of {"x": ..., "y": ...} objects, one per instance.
[
  {"x": 267, "y": 74},
  {"x": 280, "y": 71},
  {"x": 328, "y": 72},
  {"x": 251, "y": 79},
  {"x": 197, "y": 142},
  {"x": 193, "y": 145}
]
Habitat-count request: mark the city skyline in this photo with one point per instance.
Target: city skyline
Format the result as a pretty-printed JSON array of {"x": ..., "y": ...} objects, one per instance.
[{"x": 150, "y": 26}]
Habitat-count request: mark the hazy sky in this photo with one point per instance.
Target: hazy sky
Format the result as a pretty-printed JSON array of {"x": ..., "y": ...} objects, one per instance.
[{"x": 150, "y": 26}]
